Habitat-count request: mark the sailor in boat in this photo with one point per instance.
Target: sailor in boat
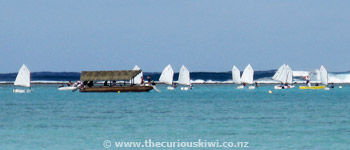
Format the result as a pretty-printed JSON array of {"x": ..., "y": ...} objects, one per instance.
[
  {"x": 256, "y": 84},
  {"x": 90, "y": 84},
  {"x": 69, "y": 83},
  {"x": 149, "y": 79},
  {"x": 142, "y": 82},
  {"x": 244, "y": 84},
  {"x": 332, "y": 86},
  {"x": 282, "y": 85},
  {"x": 77, "y": 84},
  {"x": 174, "y": 85},
  {"x": 307, "y": 78}
]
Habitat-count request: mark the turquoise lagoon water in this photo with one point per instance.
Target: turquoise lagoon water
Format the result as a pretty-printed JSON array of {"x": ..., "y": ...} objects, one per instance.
[{"x": 283, "y": 120}]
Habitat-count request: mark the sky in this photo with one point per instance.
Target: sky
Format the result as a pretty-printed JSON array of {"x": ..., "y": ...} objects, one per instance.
[{"x": 203, "y": 35}]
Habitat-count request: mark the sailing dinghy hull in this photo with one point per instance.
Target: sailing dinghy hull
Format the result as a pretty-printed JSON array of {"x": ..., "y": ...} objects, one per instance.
[
  {"x": 311, "y": 87},
  {"x": 186, "y": 88},
  {"x": 22, "y": 90},
  {"x": 67, "y": 88},
  {"x": 278, "y": 87},
  {"x": 170, "y": 88}
]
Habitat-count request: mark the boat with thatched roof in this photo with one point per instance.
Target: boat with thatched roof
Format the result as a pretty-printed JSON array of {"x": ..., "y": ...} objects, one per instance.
[{"x": 111, "y": 81}]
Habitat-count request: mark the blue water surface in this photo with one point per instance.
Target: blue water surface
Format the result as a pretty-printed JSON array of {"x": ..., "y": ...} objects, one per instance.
[{"x": 284, "y": 120}]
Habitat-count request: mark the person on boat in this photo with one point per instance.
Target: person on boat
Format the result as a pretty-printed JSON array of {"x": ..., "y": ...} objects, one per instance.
[
  {"x": 332, "y": 86},
  {"x": 307, "y": 78},
  {"x": 244, "y": 84},
  {"x": 149, "y": 79},
  {"x": 175, "y": 85},
  {"x": 69, "y": 83},
  {"x": 317, "y": 84},
  {"x": 282, "y": 85},
  {"x": 114, "y": 83},
  {"x": 153, "y": 82},
  {"x": 142, "y": 82},
  {"x": 256, "y": 84},
  {"x": 286, "y": 85},
  {"x": 90, "y": 84},
  {"x": 105, "y": 84},
  {"x": 191, "y": 86},
  {"x": 77, "y": 84}
]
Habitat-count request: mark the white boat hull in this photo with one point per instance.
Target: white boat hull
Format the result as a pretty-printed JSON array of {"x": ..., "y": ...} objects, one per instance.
[
  {"x": 22, "y": 90},
  {"x": 170, "y": 88},
  {"x": 278, "y": 87},
  {"x": 67, "y": 88},
  {"x": 240, "y": 87},
  {"x": 251, "y": 87},
  {"x": 185, "y": 88}
]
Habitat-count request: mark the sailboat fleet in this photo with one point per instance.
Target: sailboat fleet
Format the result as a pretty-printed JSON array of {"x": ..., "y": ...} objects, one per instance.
[
  {"x": 247, "y": 77},
  {"x": 184, "y": 78},
  {"x": 284, "y": 75}
]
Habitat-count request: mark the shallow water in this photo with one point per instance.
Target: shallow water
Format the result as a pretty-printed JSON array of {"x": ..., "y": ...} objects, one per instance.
[{"x": 284, "y": 120}]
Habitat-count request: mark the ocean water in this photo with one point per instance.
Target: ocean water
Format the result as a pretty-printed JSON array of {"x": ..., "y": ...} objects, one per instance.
[{"x": 284, "y": 120}]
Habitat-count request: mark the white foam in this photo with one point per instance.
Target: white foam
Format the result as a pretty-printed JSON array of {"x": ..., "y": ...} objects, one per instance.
[{"x": 300, "y": 73}]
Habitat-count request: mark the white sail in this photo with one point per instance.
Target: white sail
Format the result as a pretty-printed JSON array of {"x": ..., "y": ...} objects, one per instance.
[
  {"x": 23, "y": 77},
  {"x": 236, "y": 75},
  {"x": 281, "y": 74},
  {"x": 167, "y": 75},
  {"x": 284, "y": 74},
  {"x": 184, "y": 76},
  {"x": 289, "y": 78},
  {"x": 137, "y": 78},
  {"x": 248, "y": 75},
  {"x": 323, "y": 75}
]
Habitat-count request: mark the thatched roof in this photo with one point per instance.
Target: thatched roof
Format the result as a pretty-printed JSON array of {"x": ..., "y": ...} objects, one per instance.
[{"x": 108, "y": 75}]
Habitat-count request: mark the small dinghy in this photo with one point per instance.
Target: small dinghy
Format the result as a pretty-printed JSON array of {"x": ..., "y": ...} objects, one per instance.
[
  {"x": 184, "y": 78},
  {"x": 247, "y": 77},
  {"x": 167, "y": 77},
  {"x": 23, "y": 79},
  {"x": 284, "y": 75}
]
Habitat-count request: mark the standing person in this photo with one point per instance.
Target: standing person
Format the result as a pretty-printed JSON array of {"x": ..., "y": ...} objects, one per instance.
[
  {"x": 149, "y": 79},
  {"x": 256, "y": 84},
  {"x": 307, "y": 78},
  {"x": 142, "y": 82}
]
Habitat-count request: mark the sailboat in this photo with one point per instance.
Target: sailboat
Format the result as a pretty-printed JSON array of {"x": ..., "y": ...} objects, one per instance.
[
  {"x": 324, "y": 77},
  {"x": 236, "y": 75},
  {"x": 324, "y": 80},
  {"x": 247, "y": 77},
  {"x": 138, "y": 78},
  {"x": 184, "y": 78},
  {"x": 23, "y": 79},
  {"x": 167, "y": 76},
  {"x": 284, "y": 75}
]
